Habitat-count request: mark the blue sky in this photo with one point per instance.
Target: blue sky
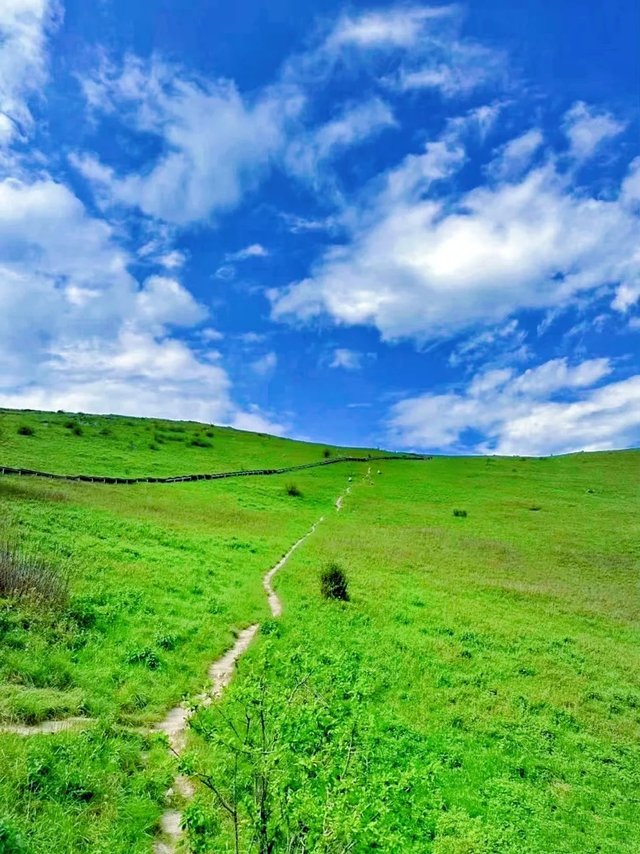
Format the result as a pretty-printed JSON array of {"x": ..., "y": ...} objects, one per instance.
[{"x": 397, "y": 225}]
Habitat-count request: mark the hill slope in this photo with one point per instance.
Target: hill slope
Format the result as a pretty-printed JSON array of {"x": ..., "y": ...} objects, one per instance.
[{"x": 478, "y": 693}]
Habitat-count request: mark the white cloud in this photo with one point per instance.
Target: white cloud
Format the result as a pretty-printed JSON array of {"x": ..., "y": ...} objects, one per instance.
[
  {"x": 216, "y": 143},
  {"x": 587, "y": 129},
  {"x": 255, "y": 250},
  {"x": 400, "y": 26},
  {"x": 553, "y": 408},
  {"x": 352, "y": 126},
  {"x": 172, "y": 260},
  {"x": 78, "y": 332},
  {"x": 631, "y": 184},
  {"x": 350, "y": 360},
  {"x": 516, "y": 155},
  {"x": 506, "y": 342},
  {"x": 24, "y": 25},
  {"x": 421, "y": 266},
  {"x": 265, "y": 365},
  {"x": 163, "y": 301},
  {"x": 454, "y": 68}
]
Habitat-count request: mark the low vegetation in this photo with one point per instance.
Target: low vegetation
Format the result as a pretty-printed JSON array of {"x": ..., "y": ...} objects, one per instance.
[
  {"x": 333, "y": 583},
  {"x": 478, "y": 694}
]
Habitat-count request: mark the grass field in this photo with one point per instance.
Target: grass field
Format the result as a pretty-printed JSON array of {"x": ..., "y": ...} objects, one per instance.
[{"x": 479, "y": 692}]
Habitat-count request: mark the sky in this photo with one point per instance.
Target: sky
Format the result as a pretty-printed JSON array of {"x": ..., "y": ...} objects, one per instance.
[{"x": 386, "y": 225}]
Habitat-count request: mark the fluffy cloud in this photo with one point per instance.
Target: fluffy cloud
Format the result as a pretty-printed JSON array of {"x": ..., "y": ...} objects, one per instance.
[
  {"x": 79, "y": 332},
  {"x": 553, "y": 408},
  {"x": 215, "y": 142},
  {"x": 395, "y": 27},
  {"x": 423, "y": 265},
  {"x": 350, "y": 360},
  {"x": 255, "y": 250},
  {"x": 587, "y": 128},
  {"x": 23, "y": 62}
]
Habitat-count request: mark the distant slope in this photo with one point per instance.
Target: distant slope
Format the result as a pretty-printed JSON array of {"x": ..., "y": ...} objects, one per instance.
[{"x": 116, "y": 446}]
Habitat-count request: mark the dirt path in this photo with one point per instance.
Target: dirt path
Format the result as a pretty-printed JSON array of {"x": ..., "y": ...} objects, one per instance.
[
  {"x": 176, "y": 723},
  {"x": 275, "y": 604},
  {"x": 46, "y": 727}
]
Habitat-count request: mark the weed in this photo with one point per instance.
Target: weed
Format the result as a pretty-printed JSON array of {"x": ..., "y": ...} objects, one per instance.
[
  {"x": 25, "y": 430},
  {"x": 144, "y": 655},
  {"x": 460, "y": 514},
  {"x": 326, "y": 453},
  {"x": 333, "y": 583},
  {"x": 32, "y": 578},
  {"x": 294, "y": 490}
]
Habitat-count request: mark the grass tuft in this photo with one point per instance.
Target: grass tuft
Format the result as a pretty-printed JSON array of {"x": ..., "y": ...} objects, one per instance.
[
  {"x": 334, "y": 583},
  {"x": 32, "y": 578},
  {"x": 460, "y": 514}
]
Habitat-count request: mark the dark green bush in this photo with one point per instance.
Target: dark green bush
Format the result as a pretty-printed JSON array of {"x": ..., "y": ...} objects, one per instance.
[
  {"x": 460, "y": 514},
  {"x": 294, "y": 490},
  {"x": 326, "y": 453},
  {"x": 25, "y": 430},
  {"x": 333, "y": 583},
  {"x": 200, "y": 443}
]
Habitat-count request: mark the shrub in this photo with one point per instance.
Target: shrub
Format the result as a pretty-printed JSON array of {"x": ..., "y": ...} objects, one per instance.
[
  {"x": 26, "y": 577},
  {"x": 69, "y": 425},
  {"x": 200, "y": 443},
  {"x": 460, "y": 514},
  {"x": 25, "y": 430},
  {"x": 294, "y": 490},
  {"x": 209, "y": 433},
  {"x": 77, "y": 430},
  {"x": 333, "y": 583},
  {"x": 326, "y": 453}
]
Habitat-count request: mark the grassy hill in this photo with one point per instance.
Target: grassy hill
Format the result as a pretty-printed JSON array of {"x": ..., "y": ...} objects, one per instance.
[{"x": 479, "y": 692}]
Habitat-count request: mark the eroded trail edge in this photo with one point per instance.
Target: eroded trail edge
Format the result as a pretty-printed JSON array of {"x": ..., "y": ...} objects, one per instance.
[{"x": 175, "y": 725}]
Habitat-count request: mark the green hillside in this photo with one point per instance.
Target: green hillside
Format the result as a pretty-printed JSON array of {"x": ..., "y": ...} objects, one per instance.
[{"x": 479, "y": 691}]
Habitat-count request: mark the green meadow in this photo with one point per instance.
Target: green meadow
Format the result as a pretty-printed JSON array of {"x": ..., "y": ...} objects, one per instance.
[{"x": 478, "y": 692}]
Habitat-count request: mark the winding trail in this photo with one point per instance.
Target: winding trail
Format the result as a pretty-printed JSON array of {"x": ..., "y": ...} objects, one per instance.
[{"x": 175, "y": 725}]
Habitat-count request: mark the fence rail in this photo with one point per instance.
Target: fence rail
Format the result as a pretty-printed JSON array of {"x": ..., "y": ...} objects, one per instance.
[{"x": 189, "y": 478}]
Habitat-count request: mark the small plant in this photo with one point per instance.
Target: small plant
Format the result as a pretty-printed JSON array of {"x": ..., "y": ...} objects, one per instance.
[
  {"x": 77, "y": 430},
  {"x": 69, "y": 425},
  {"x": 25, "y": 430},
  {"x": 294, "y": 490},
  {"x": 326, "y": 453},
  {"x": 209, "y": 434},
  {"x": 333, "y": 583},
  {"x": 24, "y": 576},
  {"x": 198, "y": 442},
  {"x": 535, "y": 508},
  {"x": 460, "y": 514},
  {"x": 146, "y": 656}
]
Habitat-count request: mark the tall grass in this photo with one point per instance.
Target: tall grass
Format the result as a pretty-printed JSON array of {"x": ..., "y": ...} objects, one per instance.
[{"x": 24, "y": 576}]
